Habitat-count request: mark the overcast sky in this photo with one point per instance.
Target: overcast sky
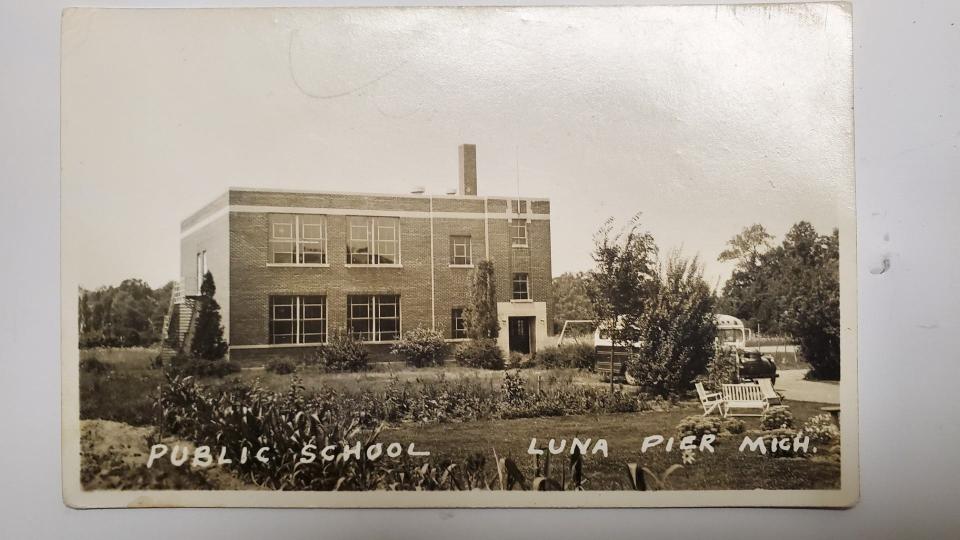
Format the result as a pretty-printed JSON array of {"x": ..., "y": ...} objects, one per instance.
[{"x": 705, "y": 119}]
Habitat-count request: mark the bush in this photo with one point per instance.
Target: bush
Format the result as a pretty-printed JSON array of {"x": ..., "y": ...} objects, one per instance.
[
  {"x": 343, "y": 352},
  {"x": 480, "y": 353},
  {"x": 421, "y": 347},
  {"x": 781, "y": 434},
  {"x": 821, "y": 429},
  {"x": 778, "y": 417},
  {"x": 186, "y": 365},
  {"x": 94, "y": 365},
  {"x": 677, "y": 329},
  {"x": 698, "y": 426},
  {"x": 281, "y": 367},
  {"x": 579, "y": 356}
]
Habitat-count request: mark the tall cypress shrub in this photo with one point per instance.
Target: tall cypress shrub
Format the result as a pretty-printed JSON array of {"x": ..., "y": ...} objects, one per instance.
[
  {"x": 480, "y": 315},
  {"x": 208, "y": 340}
]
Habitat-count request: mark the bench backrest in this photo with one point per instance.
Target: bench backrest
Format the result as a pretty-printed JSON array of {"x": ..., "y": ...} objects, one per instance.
[{"x": 742, "y": 392}]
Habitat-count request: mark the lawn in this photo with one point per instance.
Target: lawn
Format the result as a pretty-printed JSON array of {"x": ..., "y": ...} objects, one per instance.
[
  {"x": 127, "y": 391},
  {"x": 726, "y": 469}
]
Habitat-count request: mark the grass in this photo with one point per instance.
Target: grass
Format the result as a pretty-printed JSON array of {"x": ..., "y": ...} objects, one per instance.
[
  {"x": 726, "y": 469},
  {"x": 126, "y": 394}
]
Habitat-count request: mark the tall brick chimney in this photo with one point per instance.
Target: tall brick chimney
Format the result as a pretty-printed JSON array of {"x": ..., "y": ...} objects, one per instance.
[{"x": 468, "y": 169}]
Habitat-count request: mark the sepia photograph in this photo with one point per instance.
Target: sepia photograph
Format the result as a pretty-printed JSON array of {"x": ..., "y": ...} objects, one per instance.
[{"x": 459, "y": 257}]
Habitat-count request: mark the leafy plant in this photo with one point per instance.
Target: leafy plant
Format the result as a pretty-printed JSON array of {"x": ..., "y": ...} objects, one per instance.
[
  {"x": 580, "y": 356},
  {"x": 342, "y": 352},
  {"x": 778, "y": 417},
  {"x": 421, "y": 347},
  {"x": 821, "y": 429},
  {"x": 480, "y": 353},
  {"x": 677, "y": 329},
  {"x": 281, "y": 367}
]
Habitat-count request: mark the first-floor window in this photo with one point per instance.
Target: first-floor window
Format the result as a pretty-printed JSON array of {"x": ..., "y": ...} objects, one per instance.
[
  {"x": 374, "y": 317},
  {"x": 458, "y": 325},
  {"x": 298, "y": 319},
  {"x": 521, "y": 287}
]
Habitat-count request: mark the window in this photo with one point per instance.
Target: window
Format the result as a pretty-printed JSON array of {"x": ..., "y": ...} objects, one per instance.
[
  {"x": 460, "y": 253},
  {"x": 518, "y": 206},
  {"x": 458, "y": 325},
  {"x": 373, "y": 240},
  {"x": 374, "y": 317},
  {"x": 521, "y": 287},
  {"x": 518, "y": 233},
  {"x": 298, "y": 319},
  {"x": 298, "y": 239},
  {"x": 201, "y": 268}
]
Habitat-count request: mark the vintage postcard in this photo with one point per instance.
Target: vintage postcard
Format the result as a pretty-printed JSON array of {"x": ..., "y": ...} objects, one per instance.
[{"x": 459, "y": 257}]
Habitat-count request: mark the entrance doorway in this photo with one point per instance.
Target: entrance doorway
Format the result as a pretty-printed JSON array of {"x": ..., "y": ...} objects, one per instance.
[{"x": 521, "y": 334}]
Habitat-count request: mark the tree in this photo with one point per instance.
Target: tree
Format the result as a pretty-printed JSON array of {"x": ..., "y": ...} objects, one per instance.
[
  {"x": 623, "y": 272},
  {"x": 747, "y": 246},
  {"x": 677, "y": 329},
  {"x": 571, "y": 301},
  {"x": 208, "y": 340},
  {"x": 812, "y": 311},
  {"x": 480, "y": 314},
  {"x": 792, "y": 288}
]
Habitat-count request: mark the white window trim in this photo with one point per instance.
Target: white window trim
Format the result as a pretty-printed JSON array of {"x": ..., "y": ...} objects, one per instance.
[
  {"x": 373, "y": 240},
  {"x": 513, "y": 281},
  {"x": 373, "y": 317},
  {"x": 526, "y": 235},
  {"x": 298, "y": 242},
  {"x": 297, "y": 320},
  {"x": 468, "y": 250}
]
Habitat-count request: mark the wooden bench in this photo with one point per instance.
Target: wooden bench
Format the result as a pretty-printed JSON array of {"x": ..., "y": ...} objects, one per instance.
[{"x": 743, "y": 396}]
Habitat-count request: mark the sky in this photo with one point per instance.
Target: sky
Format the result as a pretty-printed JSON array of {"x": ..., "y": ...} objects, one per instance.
[{"x": 703, "y": 119}]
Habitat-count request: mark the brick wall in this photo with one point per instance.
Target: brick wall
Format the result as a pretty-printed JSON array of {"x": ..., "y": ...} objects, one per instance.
[{"x": 251, "y": 282}]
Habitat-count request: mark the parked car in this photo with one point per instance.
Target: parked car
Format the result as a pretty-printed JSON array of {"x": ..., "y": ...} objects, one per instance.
[{"x": 753, "y": 365}]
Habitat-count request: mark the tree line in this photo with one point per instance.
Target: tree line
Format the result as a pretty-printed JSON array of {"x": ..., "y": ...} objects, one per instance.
[
  {"x": 789, "y": 289},
  {"x": 127, "y": 315}
]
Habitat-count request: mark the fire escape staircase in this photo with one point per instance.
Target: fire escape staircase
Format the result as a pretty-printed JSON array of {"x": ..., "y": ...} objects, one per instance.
[{"x": 179, "y": 324}]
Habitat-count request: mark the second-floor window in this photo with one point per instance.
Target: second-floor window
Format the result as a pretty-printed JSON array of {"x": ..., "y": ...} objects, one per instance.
[
  {"x": 298, "y": 239},
  {"x": 298, "y": 319},
  {"x": 518, "y": 233},
  {"x": 460, "y": 251},
  {"x": 521, "y": 287},
  {"x": 373, "y": 240}
]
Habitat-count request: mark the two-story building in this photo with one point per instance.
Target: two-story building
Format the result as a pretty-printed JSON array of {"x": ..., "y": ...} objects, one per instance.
[{"x": 291, "y": 266}]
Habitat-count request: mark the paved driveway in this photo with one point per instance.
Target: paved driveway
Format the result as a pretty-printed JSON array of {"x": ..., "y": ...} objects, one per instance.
[{"x": 791, "y": 384}]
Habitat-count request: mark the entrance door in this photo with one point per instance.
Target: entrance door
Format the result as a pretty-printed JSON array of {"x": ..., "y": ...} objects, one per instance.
[{"x": 520, "y": 334}]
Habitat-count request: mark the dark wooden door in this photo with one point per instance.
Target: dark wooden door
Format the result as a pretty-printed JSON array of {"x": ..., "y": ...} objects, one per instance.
[{"x": 520, "y": 335}]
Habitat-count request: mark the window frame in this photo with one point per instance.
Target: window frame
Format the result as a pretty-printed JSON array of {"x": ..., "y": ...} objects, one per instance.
[
  {"x": 374, "y": 304},
  {"x": 201, "y": 268},
  {"x": 466, "y": 260},
  {"x": 297, "y": 240},
  {"x": 525, "y": 293},
  {"x": 297, "y": 304},
  {"x": 458, "y": 331},
  {"x": 519, "y": 240},
  {"x": 377, "y": 248}
]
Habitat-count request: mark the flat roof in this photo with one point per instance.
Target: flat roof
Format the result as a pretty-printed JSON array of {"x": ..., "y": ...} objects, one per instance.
[{"x": 223, "y": 200}]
